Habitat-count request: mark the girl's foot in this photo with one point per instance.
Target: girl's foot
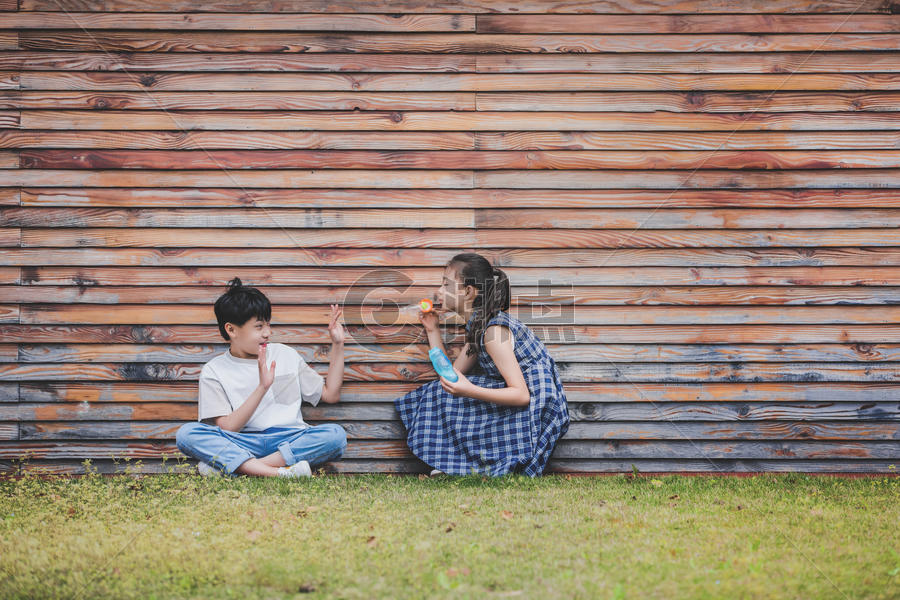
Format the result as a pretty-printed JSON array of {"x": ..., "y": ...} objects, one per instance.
[{"x": 436, "y": 472}]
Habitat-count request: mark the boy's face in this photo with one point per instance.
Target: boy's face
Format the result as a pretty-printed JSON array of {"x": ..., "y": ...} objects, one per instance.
[{"x": 245, "y": 339}]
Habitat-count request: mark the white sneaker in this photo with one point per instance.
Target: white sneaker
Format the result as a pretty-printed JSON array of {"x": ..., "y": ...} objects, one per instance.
[
  {"x": 436, "y": 472},
  {"x": 298, "y": 469},
  {"x": 207, "y": 470}
]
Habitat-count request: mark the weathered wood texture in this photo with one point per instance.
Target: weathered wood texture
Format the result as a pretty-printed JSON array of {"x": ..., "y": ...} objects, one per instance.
[{"x": 696, "y": 201}]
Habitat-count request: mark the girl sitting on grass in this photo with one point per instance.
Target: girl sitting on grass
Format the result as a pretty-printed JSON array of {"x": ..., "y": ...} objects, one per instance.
[{"x": 505, "y": 420}]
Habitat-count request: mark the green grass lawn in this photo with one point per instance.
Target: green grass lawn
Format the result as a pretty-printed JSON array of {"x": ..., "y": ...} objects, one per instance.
[{"x": 175, "y": 535}]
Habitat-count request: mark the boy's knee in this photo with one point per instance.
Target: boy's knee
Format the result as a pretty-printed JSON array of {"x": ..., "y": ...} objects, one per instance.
[
  {"x": 338, "y": 437},
  {"x": 184, "y": 433}
]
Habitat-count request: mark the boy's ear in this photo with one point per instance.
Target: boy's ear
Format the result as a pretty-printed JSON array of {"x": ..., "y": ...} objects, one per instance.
[{"x": 229, "y": 329}]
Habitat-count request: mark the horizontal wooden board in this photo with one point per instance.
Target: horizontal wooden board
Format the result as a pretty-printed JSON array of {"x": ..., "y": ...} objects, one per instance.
[
  {"x": 578, "y": 412},
  {"x": 589, "y": 431},
  {"x": 10, "y": 196},
  {"x": 139, "y": 120},
  {"x": 636, "y": 63},
  {"x": 690, "y": 449},
  {"x": 450, "y": 159},
  {"x": 488, "y": 43},
  {"x": 576, "y": 392},
  {"x": 733, "y": 140},
  {"x": 9, "y": 160},
  {"x": 457, "y": 179},
  {"x": 146, "y": 430},
  {"x": 313, "y": 101},
  {"x": 707, "y": 178},
  {"x": 273, "y": 218},
  {"x": 436, "y": 198},
  {"x": 242, "y": 21},
  {"x": 687, "y": 23},
  {"x": 105, "y": 412},
  {"x": 738, "y": 430},
  {"x": 451, "y": 238},
  {"x": 9, "y": 119},
  {"x": 9, "y": 40},
  {"x": 9, "y": 81},
  {"x": 654, "y": 101},
  {"x": 52, "y": 314},
  {"x": 9, "y": 236},
  {"x": 464, "y": 6},
  {"x": 261, "y": 62},
  {"x": 8, "y": 354},
  {"x": 281, "y": 178},
  {"x": 564, "y": 295},
  {"x": 400, "y": 278},
  {"x": 9, "y": 313},
  {"x": 9, "y": 392},
  {"x": 262, "y": 140},
  {"x": 632, "y": 63},
  {"x": 688, "y": 334},
  {"x": 6, "y": 272},
  {"x": 93, "y": 451},
  {"x": 644, "y": 411},
  {"x": 624, "y": 450},
  {"x": 713, "y": 466},
  {"x": 586, "y": 372},
  {"x": 486, "y": 23},
  {"x": 353, "y": 353},
  {"x": 449, "y": 140},
  {"x": 450, "y": 218},
  {"x": 462, "y": 82},
  {"x": 502, "y": 257},
  {"x": 664, "y": 218}
]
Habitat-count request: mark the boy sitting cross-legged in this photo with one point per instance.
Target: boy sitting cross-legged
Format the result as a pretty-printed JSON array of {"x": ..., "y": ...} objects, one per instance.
[{"x": 249, "y": 408}]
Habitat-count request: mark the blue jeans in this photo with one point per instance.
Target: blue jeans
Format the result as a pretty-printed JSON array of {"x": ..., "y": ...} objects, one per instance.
[{"x": 227, "y": 450}]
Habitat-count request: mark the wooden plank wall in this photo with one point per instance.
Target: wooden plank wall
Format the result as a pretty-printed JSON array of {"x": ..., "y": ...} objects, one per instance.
[{"x": 711, "y": 186}]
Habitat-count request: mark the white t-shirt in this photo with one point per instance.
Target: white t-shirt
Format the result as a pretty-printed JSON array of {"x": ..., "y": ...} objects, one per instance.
[{"x": 227, "y": 381}]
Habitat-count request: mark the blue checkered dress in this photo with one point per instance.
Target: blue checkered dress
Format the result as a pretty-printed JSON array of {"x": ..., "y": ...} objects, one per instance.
[{"x": 461, "y": 435}]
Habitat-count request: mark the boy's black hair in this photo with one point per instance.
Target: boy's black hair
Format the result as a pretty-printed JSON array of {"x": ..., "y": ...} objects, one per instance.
[{"x": 240, "y": 304}]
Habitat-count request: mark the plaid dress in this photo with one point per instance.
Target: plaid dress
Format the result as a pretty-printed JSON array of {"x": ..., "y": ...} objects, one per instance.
[{"x": 460, "y": 435}]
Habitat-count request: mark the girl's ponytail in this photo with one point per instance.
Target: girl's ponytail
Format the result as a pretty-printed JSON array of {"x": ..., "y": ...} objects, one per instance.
[{"x": 501, "y": 289}]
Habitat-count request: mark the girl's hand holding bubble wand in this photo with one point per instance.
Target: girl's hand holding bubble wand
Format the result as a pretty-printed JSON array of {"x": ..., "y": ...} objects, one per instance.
[{"x": 452, "y": 380}]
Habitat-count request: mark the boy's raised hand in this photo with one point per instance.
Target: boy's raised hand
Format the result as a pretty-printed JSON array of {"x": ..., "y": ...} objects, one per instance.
[
  {"x": 266, "y": 374},
  {"x": 335, "y": 329}
]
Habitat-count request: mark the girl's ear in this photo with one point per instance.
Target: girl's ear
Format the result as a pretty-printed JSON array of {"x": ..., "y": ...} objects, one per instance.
[{"x": 471, "y": 292}]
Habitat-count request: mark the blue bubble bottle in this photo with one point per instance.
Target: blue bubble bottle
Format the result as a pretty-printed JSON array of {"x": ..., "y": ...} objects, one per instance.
[{"x": 442, "y": 364}]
